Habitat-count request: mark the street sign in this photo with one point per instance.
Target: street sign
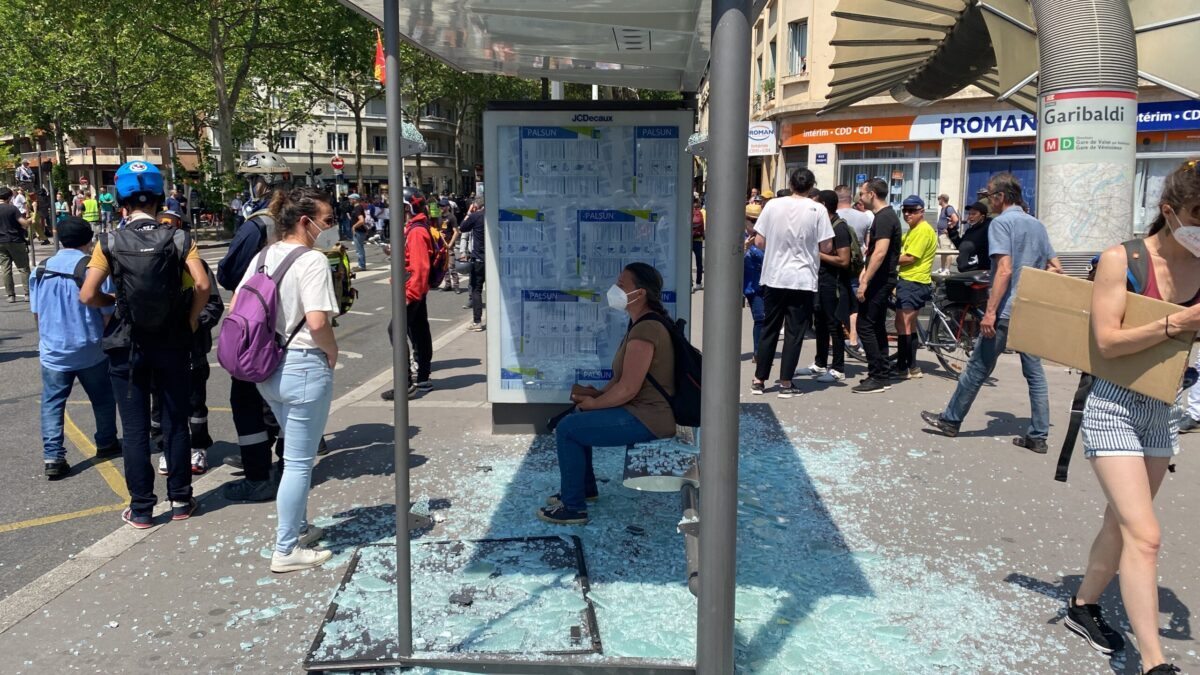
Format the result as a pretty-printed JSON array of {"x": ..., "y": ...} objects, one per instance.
[
  {"x": 83, "y": 180},
  {"x": 337, "y": 162}
]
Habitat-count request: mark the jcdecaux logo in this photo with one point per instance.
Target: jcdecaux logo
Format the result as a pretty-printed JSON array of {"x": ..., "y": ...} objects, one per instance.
[{"x": 583, "y": 117}]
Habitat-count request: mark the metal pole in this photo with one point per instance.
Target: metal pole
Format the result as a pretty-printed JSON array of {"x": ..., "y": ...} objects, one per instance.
[
  {"x": 729, "y": 116},
  {"x": 171, "y": 153},
  {"x": 395, "y": 136}
]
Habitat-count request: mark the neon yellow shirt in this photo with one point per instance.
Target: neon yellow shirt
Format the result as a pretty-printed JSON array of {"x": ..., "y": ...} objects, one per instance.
[{"x": 920, "y": 243}]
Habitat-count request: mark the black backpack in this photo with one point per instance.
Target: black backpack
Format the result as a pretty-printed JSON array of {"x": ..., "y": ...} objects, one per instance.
[
  {"x": 685, "y": 404},
  {"x": 147, "y": 269},
  {"x": 78, "y": 274}
]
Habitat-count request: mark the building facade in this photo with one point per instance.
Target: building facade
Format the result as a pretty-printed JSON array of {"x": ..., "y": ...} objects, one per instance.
[{"x": 949, "y": 147}]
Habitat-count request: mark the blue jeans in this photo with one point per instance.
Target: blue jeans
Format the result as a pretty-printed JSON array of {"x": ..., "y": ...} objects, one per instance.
[
  {"x": 360, "y": 245},
  {"x": 575, "y": 437},
  {"x": 299, "y": 392},
  {"x": 758, "y": 312},
  {"x": 56, "y": 389},
  {"x": 980, "y": 367}
]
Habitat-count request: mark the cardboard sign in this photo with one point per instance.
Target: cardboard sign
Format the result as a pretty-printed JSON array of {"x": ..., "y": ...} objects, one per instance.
[{"x": 1052, "y": 318}]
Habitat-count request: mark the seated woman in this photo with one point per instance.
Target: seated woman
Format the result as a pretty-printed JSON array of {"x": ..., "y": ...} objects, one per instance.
[{"x": 629, "y": 409}]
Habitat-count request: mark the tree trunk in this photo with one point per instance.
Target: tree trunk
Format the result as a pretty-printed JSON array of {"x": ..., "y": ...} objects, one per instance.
[
  {"x": 224, "y": 105},
  {"x": 118, "y": 127},
  {"x": 358, "y": 149},
  {"x": 60, "y": 146}
]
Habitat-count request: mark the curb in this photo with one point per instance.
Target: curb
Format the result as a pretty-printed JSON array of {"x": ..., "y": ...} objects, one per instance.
[{"x": 41, "y": 591}]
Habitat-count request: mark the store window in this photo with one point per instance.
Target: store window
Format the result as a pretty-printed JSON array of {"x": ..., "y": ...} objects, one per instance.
[
  {"x": 908, "y": 168},
  {"x": 1017, "y": 156},
  {"x": 1158, "y": 155}
]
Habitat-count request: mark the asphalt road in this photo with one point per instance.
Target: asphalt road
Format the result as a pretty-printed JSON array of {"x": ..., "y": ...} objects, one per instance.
[{"x": 42, "y": 523}]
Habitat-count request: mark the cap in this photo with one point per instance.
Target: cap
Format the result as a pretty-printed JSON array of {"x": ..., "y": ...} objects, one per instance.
[
  {"x": 767, "y": 194},
  {"x": 753, "y": 211},
  {"x": 73, "y": 232},
  {"x": 978, "y": 207},
  {"x": 354, "y": 195},
  {"x": 913, "y": 200}
]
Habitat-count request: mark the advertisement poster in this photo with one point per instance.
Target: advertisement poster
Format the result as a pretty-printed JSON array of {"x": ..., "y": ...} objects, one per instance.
[{"x": 574, "y": 198}]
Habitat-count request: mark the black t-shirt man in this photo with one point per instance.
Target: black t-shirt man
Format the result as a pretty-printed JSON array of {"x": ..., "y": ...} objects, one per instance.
[
  {"x": 358, "y": 213},
  {"x": 11, "y": 231},
  {"x": 885, "y": 226},
  {"x": 832, "y": 274}
]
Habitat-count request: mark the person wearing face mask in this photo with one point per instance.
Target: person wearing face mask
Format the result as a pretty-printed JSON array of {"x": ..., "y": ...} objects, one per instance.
[
  {"x": 629, "y": 409},
  {"x": 1016, "y": 240},
  {"x": 300, "y": 391},
  {"x": 1130, "y": 438}
]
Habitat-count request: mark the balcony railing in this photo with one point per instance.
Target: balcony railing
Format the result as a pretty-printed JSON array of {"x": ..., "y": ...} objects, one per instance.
[{"x": 104, "y": 156}]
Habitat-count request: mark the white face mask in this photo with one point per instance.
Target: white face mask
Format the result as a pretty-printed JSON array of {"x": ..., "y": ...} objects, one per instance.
[
  {"x": 1188, "y": 237},
  {"x": 325, "y": 239},
  {"x": 617, "y": 298}
]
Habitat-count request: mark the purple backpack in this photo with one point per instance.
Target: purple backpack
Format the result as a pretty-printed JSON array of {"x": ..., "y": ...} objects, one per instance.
[{"x": 248, "y": 347}]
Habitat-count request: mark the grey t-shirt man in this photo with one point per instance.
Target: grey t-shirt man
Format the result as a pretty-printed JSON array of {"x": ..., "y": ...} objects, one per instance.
[{"x": 1019, "y": 235}]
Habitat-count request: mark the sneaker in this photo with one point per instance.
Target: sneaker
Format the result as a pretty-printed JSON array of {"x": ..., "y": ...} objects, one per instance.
[
  {"x": 112, "y": 450},
  {"x": 870, "y": 386},
  {"x": 788, "y": 391},
  {"x": 913, "y": 374},
  {"x": 322, "y": 448},
  {"x": 475, "y": 327},
  {"x": 1037, "y": 445},
  {"x": 812, "y": 371},
  {"x": 556, "y": 499},
  {"x": 757, "y": 388},
  {"x": 311, "y": 535},
  {"x": 1188, "y": 424},
  {"x": 948, "y": 429},
  {"x": 246, "y": 490},
  {"x": 831, "y": 376},
  {"x": 1087, "y": 622},
  {"x": 698, "y": 287},
  {"x": 199, "y": 462},
  {"x": 162, "y": 464},
  {"x": 234, "y": 461},
  {"x": 424, "y": 385},
  {"x": 183, "y": 510},
  {"x": 561, "y": 515},
  {"x": 1164, "y": 669},
  {"x": 412, "y": 390},
  {"x": 389, "y": 395},
  {"x": 139, "y": 522},
  {"x": 300, "y": 558},
  {"x": 12, "y": 299},
  {"x": 57, "y": 469}
]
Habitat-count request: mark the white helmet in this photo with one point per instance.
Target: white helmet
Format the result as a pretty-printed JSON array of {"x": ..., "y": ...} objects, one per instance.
[{"x": 266, "y": 166}]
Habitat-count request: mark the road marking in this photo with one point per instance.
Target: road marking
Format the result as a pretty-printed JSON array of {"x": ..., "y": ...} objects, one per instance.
[
  {"x": 433, "y": 318},
  {"x": 368, "y": 275},
  {"x": 380, "y": 309},
  {"x": 357, "y": 313},
  {"x": 349, "y": 355},
  {"x": 47, "y": 520},
  {"x": 116, "y": 482},
  {"x": 211, "y": 408}
]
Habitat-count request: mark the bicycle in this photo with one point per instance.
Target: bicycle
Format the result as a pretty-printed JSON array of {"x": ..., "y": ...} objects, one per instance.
[{"x": 955, "y": 314}]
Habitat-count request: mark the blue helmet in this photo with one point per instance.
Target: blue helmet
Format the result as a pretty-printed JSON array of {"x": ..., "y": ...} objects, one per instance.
[{"x": 140, "y": 181}]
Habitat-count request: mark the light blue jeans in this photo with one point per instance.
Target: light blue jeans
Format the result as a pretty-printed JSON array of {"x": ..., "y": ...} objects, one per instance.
[
  {"x": 299, "y": 393},
  {"x": 980, "y": 367},
  {"x": 360, "y": 247}
]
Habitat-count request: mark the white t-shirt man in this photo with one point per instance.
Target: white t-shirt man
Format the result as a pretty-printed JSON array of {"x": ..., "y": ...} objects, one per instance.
[
  {"x": 307, "y": 287},
  {"x": 794, "y": 228},
  {"x": 859, "y": 221}
]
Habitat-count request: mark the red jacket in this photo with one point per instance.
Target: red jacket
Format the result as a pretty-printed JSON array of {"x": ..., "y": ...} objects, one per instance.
[{"x": 418, "y": 250}]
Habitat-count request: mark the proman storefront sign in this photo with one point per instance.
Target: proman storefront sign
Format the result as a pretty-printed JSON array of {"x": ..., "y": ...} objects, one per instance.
[{"x": 761, "y": 139}]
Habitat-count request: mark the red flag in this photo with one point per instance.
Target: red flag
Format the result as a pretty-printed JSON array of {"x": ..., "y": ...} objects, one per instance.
[{"x": 380, "y": 61}]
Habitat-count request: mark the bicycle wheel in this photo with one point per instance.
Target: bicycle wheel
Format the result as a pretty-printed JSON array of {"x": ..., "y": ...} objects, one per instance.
[{"x": 952, "y": 337}]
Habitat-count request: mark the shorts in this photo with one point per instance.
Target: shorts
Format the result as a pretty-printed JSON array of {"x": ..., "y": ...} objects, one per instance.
[
  {"x": 1118, "y": 422},
  {"x": 911, "y": 295}
]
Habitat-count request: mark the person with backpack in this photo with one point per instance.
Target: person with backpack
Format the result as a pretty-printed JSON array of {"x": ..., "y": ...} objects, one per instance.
[
  {"x": 70, "y": 347},
  {"x": 1130, "y": 438},
  {"x": 833, "y": 297},
  {"x": 150, "y": 336},
  {"x": 279, "y": 334},
  {"x": 634, "y": 407},
  {"x": 252, "y": 417}
]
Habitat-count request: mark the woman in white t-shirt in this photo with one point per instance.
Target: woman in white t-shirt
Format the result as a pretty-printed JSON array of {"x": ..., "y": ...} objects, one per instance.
[{"x": 301, "y": 390}]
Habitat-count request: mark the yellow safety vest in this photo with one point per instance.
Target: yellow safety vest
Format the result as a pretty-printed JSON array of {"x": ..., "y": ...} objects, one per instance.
[{"x": 91, "y": 210}]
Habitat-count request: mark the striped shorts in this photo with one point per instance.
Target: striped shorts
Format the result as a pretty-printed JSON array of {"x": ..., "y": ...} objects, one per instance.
[{"x": 1118, "y": 422}]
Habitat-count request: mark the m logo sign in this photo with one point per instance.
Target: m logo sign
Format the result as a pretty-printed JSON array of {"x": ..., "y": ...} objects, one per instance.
[{"x": 1051, "y": 145}]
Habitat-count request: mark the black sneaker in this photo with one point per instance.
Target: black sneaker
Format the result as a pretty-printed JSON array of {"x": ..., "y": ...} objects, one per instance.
[
  {"x": 1164, "y": 669},
  {"x": 1037, "y": 445},
  {"x": 757, "y": 388},
  {"x": 234, "y": 461},
  {"x": 561, "y": 515},
  {"x": 183, "y": 510},
  {"x": 246, "y": 490},
  {"x": 948, "y": 429},
  {"x": 870, "y": 386},
  {"x": 425, "y": 385},
  {"x": 57, "y": 469},
  {"x": 389, "y": 395},
  {"x": 788, "y": 391},
  {"x": 1086, "y": 621},
  {"x": 108, "y": 451},
  {"x": 1188, "y": 424}
]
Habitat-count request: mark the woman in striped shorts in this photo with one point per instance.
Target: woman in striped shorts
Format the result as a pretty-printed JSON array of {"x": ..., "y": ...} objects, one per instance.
[{"x": 1130, "y": 438}]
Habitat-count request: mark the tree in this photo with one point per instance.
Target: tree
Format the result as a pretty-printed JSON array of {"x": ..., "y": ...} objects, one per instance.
[{"x": 469, "y": 93}]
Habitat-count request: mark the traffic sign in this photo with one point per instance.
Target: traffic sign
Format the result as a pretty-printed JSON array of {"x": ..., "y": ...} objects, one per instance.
[
  {"x": 83, "y": 180},
  {"x": 337, "y": 162}
]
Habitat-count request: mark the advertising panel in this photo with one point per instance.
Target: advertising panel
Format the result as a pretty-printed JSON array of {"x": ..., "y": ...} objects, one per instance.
[
  {"x": 573, "y": 198},
  {"x": 761, "y": 139}
]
